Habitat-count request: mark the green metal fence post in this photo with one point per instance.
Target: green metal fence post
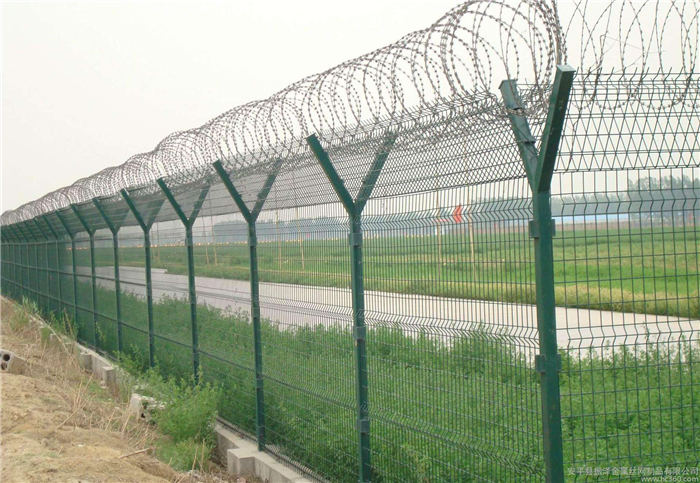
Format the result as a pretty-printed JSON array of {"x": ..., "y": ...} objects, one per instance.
[
  {"x": 93, "y": 277},
  {"x": 188, "y": 222},
  {"x": 146, "y": 228},
  {"x": 539, "y": 166},
  {"x": 58, "y": 262},
  {"x": 250, "y": 218},
  {"x": 73, "y": 265},
  {"x": 354, "y": 209},
  {"x": 117, "y": 285}
]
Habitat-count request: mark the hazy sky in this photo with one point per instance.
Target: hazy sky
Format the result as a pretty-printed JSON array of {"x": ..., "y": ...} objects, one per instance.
[{"x": 87, "y": 85}]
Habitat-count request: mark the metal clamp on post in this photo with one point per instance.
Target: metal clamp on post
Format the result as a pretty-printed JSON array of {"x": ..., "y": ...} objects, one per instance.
[
  {"x": 534, "y": 228},
  {"x": 541, "y": 363},
  {"x": 363, "y": 426},
  {"x": 359, "y": 333},
  {"x": 355, "y": 239},
  {"x": 252, "y": 240}
]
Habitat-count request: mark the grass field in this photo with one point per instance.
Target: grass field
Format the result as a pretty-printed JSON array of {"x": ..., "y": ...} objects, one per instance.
[{"x": 632, "y": 270}]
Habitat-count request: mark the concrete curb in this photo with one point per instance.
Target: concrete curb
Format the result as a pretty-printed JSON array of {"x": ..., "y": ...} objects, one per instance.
[
  {"x": 243, "y": 459},
  {"x": 87, "y": 358}
]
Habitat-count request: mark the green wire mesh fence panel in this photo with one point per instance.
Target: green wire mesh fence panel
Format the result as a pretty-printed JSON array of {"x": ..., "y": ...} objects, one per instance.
[
  {"x": 451, "y": 335},
  {"x": 307, "y": 335},
  {"x": 17, "y": 267},
  {"x": 65, "y": 269},
  {"x": 171, "y": 309},
  {"x": 423, "y": 369},
  {"x": 7, "y": 265},
  {"x": 134, "y": 307},
  {"x": 97, "y": 263},
  {"x": 106, "y": 307},
  {"x": 52, "y": 267},
  {"x": 24, "y": 261},
  {"x": 83, "y": 271},
  {"x": 40, "y": 272},
  {"x": 627, "y": 192},
  {"x": 224, "y": 306},
  {"x": 171, "y": 316},
  {"x": 223, "y": 310},
  {"x": 30, "y": 261},
  {"x": 7, "y": 280}
]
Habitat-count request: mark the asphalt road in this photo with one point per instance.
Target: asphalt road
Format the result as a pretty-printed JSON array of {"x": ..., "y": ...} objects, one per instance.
[{"x": 297, "y": 305}]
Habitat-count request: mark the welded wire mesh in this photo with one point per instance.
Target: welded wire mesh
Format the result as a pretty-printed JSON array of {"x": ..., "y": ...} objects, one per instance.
[{"x": 449, "y": 335}]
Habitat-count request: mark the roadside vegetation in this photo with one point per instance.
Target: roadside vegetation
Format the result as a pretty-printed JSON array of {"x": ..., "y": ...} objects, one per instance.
[
  {"x": 445, "y": 406},
  {"x": 181, "y": 437}
]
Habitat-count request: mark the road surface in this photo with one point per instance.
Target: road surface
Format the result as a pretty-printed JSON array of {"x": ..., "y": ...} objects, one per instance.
[{"x": 297, "y": 305}]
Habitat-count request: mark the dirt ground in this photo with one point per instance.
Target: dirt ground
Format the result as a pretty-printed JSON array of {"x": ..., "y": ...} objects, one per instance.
[{"x": 59, "y": 425}]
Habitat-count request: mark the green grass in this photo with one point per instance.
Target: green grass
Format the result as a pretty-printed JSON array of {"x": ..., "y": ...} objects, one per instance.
[
  {"x": 185, "y": 415},
  {"x": 631, "y": 270},
  {"x": 457, "y": 409}
]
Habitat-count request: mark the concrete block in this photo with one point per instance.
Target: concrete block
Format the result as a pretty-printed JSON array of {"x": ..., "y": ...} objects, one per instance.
[
  {"x": 85, "y": 360},
  {"x": 279, "y": 473},
  {"x": 240, "y": 462},
  {"x": 72, "y": 347},
  {"x": 244, "y": 459},
  {"x": 109, "y": 375},
  {"x": 142, "y": 406},
  {"x": 11, "y": 362},
  {"x": 263, "y": 467},
  {"x": 97, "y": 363},
  {"x": 270, "y": 470},
  {"x": 225, "y": 440}
]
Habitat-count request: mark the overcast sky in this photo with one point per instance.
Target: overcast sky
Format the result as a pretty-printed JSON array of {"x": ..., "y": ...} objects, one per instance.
[{"x": 87, "y": 85}]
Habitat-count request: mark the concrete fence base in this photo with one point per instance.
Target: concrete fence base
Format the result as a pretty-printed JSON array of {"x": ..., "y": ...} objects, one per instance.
[{"x": 243, "y": 459}]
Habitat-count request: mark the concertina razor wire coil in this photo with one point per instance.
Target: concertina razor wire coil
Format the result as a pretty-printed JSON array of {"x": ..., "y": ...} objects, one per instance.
[{"x": 458, "y": 60}]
